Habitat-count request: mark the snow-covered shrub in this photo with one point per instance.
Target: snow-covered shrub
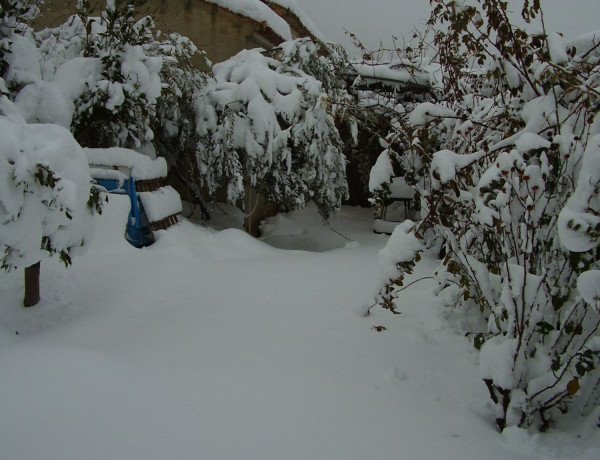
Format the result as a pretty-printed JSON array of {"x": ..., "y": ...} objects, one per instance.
[
  {"x": 10, "y": 12},
  {"x": 505, "y": 150},
  {"x": 266, "y": 124}
]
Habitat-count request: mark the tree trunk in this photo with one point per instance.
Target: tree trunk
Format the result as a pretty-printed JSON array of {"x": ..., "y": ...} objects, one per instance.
[
  {"x": 257, "y": 209},
  {"x": 32, "y": 285}
]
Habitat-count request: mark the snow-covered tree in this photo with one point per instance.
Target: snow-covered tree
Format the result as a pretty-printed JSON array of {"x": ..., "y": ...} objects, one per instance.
[
  {"x": 46, "y": 197},
  {"x": 118, "y": 108},
  {"x": 130, "y": 86},
  {"x": 509, "y": 145},
  {"x": 267, "y": 124},
  {"x": 14, "y": 18}
]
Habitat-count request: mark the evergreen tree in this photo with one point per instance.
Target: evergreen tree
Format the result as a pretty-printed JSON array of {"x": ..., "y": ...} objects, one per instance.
[
  {"x": 46, "y": 197},
  {"x": 267, "y": 124},
  {"x": 119, "y": 108}
]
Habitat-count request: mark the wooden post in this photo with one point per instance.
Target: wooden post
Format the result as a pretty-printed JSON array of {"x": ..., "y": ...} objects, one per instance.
[{"x": 32, "y": 285}]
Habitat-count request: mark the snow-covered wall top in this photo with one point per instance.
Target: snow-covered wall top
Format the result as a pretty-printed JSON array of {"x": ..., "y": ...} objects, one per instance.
[
  {"x": 142, "y": 167},
  {"x": 301, "y": 15},
  {"x": 258, "y": 11}
]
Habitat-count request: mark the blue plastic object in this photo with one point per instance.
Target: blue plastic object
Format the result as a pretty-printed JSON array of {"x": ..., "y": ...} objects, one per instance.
[{"x": 137, "y": 232}]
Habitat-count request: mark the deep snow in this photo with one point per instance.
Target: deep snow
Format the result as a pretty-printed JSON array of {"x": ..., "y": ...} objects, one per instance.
[{"x": 213, "y": 345}]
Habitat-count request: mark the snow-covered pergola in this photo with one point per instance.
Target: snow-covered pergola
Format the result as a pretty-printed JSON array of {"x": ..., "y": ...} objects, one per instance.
[{"x": 394, "y": 77}]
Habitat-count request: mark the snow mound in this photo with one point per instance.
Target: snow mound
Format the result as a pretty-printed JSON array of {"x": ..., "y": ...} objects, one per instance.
[
  {"x": 302, "y": 231},
  {"x": 236, "y": 244}
]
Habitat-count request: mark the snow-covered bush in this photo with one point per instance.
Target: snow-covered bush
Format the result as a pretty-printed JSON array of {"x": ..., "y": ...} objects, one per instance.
[
  {"x": 93, "y": 75},
  {"x": 511, "y": 142},
  {"x": 266, "y": 124}
]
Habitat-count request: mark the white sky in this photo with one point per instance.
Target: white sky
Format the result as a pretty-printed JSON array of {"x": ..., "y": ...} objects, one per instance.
[{"x": 374, "y": 21}]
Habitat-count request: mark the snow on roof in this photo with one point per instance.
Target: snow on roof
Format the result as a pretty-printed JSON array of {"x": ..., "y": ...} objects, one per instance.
[
  {"x": 258, "y": 11},
  {"x": 293, "y": 7},
  {"x": 142, "y": 167}
]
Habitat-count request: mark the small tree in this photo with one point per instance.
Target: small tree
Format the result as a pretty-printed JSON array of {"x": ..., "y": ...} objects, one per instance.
[{"x": 46, "y": 197}]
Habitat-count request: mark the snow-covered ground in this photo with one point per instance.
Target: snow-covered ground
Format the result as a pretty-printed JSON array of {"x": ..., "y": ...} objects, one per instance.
[{"x": 213, "y": 345}]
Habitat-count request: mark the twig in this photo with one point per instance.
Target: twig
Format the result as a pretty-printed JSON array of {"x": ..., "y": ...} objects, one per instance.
[
  {"x": 367, "y": 313},
  {"x": 342, "y": 235}
]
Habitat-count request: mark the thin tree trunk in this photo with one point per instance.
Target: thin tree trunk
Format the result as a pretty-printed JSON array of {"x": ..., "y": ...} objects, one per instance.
[{"x": 32, "y": 285}]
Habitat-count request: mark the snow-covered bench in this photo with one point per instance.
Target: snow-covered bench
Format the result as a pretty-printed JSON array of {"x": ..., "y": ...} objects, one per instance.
[{"x": 154, "y": 204}]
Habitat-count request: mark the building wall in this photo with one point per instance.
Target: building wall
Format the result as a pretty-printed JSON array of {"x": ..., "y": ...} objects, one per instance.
[{"x": 213, "y": 29}]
